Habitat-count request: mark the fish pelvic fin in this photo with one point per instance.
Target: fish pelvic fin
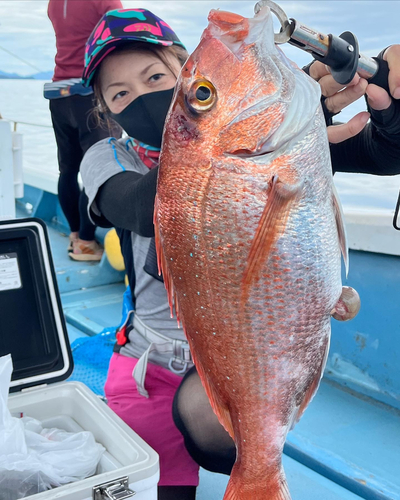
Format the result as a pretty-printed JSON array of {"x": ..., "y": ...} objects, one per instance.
[
  {"x": 339, "y": 216},
  {"x": 276, "y": 489},
  {"x": 270, "y": 228}
]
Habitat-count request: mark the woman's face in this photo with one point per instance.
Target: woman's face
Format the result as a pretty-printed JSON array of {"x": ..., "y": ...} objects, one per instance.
[{"x": 128, "y": 75}]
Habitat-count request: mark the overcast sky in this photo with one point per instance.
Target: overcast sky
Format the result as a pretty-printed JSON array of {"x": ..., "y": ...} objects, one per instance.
[{"x": 26, "y": 30}]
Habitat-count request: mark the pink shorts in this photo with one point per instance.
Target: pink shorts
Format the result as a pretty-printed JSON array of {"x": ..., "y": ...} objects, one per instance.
[{"x": 151, "y": 417}]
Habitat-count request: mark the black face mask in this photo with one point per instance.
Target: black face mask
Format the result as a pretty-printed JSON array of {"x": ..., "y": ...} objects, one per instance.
[{"x": 144, "y": 118}]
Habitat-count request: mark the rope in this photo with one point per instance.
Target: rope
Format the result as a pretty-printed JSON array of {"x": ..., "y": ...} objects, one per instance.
[{"x": 20, "y": 59}]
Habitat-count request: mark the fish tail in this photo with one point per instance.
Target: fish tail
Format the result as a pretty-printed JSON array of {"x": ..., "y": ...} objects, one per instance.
[
  {"x": 282, "y": 493},
  {"x": 276, "y": 489}
]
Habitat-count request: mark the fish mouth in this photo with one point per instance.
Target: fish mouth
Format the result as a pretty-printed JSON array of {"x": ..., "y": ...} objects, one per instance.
[{"x": 248, "y": 153}]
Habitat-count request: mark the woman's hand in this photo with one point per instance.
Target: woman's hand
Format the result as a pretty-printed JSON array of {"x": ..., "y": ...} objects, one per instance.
[{"x": 339, "y": 96}]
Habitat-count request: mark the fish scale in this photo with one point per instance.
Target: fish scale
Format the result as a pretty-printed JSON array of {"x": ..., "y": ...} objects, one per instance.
[{"x": 247, "y": 238}]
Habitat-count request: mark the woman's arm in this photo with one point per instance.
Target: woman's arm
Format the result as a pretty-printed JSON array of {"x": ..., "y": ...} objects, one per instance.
[
  {"x": 121, "y": 190},
  {"x": 376, "y": 149},
  {"x": 126, "y": 200}
]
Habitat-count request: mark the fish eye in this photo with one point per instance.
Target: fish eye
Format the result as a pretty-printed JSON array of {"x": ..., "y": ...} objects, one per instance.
[{"x": 202, "y": 95}]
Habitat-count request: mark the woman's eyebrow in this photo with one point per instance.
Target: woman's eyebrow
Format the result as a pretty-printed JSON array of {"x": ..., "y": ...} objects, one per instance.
[
  {"x": 148, "y": 67},
  {"x": 114, "y": 84}
]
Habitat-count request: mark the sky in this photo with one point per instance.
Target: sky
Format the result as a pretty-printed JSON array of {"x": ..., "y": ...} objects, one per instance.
[{"x": 26, "y": 30}]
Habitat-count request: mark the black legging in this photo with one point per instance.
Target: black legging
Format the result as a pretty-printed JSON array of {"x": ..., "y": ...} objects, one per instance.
[
  {"x": 74, "y": 203},
  {"x": 75, "y": 131},
  {"x": 176, "y": 493},
  {"x": 206, "y": 440}
]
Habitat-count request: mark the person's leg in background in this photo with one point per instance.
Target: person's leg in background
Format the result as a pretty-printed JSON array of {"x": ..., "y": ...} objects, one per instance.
[
  {"x": 89, "y": 132},
  {"x": 69, "y": 158}
]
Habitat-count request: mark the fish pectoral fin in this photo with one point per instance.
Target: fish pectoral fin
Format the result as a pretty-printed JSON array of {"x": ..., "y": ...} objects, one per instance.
[
  {"x": 271, "y": 226},
  {"x": 337, "y": 208}
]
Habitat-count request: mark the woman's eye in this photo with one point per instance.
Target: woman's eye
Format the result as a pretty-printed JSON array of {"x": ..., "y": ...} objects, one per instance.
[
  {"x": 121, "y": 94},
  {"x": 156, "y": 77}
]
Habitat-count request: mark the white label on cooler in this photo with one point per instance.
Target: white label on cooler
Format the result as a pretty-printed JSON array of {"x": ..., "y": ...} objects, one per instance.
[{"x": 10, "y": 277}]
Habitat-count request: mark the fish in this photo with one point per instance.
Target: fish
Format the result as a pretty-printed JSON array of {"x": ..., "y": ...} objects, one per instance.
[{"x": 249, "y": 236}]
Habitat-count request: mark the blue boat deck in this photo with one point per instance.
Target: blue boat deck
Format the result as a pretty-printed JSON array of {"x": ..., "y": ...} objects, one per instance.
[{"x": 347, "y": 445}]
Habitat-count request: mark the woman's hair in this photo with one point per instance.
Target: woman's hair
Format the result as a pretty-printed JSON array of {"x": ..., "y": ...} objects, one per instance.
[{"x": 101, "y": 109}]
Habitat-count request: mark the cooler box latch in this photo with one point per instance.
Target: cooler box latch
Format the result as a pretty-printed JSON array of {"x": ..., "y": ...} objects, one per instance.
[{"x": 113, "y": 490}]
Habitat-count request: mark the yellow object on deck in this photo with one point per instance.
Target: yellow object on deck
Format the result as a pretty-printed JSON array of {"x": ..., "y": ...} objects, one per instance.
[{"x": 112, "y": 248}]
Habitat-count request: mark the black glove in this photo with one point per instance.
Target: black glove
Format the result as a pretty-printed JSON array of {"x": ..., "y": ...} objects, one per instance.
[{"x": 386, "y": 121}]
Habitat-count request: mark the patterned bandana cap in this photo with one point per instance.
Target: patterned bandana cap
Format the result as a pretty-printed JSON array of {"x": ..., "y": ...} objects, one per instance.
[{"x": 124, "y": 25}]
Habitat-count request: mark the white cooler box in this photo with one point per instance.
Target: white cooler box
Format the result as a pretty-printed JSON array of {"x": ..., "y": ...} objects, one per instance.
[{"x": 32, "y": 329}]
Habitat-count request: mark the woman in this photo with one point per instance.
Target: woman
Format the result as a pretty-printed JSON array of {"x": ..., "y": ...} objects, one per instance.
[
  {"x": 132, "y": 61},
  {"x": 133, "y": 74}
]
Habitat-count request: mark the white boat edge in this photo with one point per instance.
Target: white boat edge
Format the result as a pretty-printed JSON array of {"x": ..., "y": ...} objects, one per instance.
[{"x": 371, "y": 230}]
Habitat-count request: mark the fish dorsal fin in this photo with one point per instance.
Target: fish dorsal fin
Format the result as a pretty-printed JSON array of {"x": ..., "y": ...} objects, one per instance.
[
  {"x": 339, "y": 216},
  {"x": 270, "y": 228}
]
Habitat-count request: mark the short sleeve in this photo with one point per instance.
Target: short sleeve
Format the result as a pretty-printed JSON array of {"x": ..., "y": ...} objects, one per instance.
[{"x": 102, "y": 161}]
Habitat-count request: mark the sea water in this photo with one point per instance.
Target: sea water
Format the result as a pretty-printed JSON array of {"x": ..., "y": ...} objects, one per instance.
[{"x": 21, "y": 101}]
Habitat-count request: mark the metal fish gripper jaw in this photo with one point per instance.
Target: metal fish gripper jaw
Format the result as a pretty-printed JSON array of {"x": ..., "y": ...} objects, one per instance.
[{"x": 286, "y": 29}]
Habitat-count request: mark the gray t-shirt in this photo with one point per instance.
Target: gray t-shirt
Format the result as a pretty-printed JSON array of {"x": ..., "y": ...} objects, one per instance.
[{"x": 102, "y": 161}]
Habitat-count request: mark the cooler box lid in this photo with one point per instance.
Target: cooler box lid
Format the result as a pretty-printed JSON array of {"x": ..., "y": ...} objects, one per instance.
[{"x": 32, "y": 324}]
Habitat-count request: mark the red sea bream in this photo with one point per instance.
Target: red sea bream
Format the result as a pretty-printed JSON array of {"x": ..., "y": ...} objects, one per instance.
[{"x": 249, "y": 236}]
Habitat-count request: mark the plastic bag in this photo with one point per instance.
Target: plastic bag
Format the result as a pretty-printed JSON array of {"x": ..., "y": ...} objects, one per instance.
[{"x": 34, "y": 459}]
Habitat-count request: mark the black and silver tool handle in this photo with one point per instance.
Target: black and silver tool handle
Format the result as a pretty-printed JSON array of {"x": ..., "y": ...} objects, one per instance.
[{"x": 340, "y": 53}]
